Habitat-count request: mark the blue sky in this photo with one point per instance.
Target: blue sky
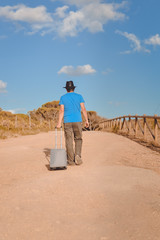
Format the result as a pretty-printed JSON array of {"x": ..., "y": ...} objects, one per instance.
[{"x": 110, "y": 49}]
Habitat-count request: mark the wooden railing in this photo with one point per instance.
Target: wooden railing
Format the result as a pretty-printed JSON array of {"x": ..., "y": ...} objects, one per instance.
[{"x": 146, "y": 127}]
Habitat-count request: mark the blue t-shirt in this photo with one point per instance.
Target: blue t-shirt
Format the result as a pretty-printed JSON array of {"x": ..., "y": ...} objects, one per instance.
[{"x": 72, "y": 107}]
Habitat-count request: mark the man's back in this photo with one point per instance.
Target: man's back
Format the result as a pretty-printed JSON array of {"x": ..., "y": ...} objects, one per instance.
[{"x": 72, "y": 107}]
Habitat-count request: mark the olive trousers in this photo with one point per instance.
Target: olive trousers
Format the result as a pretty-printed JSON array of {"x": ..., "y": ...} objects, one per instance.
[{"x": 73, "y": 130}]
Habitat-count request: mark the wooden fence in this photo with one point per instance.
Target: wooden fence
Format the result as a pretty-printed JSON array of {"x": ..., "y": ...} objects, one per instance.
[
  {"x": 146, "y": 127},
  {"x": 29, "y": 123}
]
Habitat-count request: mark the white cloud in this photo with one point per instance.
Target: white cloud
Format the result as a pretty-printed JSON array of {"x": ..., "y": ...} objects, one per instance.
[
  {"x": 91, "y": 17},
  {"x": 16, "y": 110},
  {"x": 38, "y": 18},
  {"x": 81, "y": 3},
  {"x": 154, "y": 40},
  {"x": 80, "y": 70},
  {"x": 12, "y": 111},
  {"x": 78, "y": 2},
  {"x": 26, "y": 14},
  {"x": 3, "y": 86},
  {"x": 135, "y": 43},
  {"x": 61, "y": 11},
  {"x": 88, "y": 15},
  {"x": 71, "y": 25}
]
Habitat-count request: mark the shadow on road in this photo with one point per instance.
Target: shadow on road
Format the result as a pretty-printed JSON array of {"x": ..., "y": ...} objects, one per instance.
[{"x": 47, "y": 152}]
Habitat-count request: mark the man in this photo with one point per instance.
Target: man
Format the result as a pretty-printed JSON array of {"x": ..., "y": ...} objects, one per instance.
[{"x": 71, "y": 105}]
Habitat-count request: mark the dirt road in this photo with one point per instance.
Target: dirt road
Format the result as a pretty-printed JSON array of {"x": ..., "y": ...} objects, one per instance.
[{"x": 114, "y": 195}]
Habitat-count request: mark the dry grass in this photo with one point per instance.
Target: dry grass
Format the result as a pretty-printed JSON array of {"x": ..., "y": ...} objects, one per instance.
[
  {"x": 13, "y": 125},
  {"x": 42, "y": 119}
]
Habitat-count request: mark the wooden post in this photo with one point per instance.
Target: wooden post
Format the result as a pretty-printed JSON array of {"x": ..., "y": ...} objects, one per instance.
[
  {"x": 29, "y": 121},
  {"x": 120, "y": 124},
  {"x": 111, "y": 123},
  {"x": 16, "y": 121},
  {"x": 155, "y": 128},
  {"x": 129, "y": 124},
  {"x": 116, "y": 122},
  {"x": 136, "y": 125},
  {"x": 124, "y": 125},
  {"x": 144, "y": 125}
]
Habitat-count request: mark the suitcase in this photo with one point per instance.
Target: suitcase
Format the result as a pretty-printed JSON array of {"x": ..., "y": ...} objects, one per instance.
[{"x": 58, "y": 157}]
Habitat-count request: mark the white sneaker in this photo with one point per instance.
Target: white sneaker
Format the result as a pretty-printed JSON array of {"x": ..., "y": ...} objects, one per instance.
[{"x": 78, "y": 160}]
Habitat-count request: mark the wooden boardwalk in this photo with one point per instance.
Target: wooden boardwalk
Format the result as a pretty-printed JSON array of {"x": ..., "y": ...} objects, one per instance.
[{"x": 114, "y": 195}]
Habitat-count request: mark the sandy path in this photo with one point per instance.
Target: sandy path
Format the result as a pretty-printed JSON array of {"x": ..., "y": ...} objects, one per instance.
[{"x": 113, "y": 195}]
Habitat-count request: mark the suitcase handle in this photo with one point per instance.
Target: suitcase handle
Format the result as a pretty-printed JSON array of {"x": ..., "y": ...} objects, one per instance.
[{"x": 56, "y": 137}]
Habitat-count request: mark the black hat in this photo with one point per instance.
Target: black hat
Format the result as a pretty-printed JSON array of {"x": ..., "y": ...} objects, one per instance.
[{"x": 69, "y": 85}]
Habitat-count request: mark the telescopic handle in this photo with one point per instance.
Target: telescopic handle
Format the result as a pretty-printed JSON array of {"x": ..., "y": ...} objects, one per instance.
[{"x": 56, "y": 137}]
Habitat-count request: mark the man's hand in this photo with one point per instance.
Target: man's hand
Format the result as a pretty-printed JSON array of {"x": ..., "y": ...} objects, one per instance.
[
  {"x": 85, "y": 114},
  {"x": 86, "y": 124},
  {"x": 59, "y": 125}
]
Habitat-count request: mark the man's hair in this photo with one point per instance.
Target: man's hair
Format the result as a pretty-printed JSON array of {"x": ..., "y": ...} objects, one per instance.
[{"x": 69, "y": 89}]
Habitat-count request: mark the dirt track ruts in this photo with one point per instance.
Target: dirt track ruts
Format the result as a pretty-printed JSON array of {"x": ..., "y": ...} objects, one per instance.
[{"x": 114, "y": 195}]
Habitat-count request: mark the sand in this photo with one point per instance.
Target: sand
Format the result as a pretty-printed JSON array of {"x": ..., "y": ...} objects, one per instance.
[{"x": 114, "y": 195}]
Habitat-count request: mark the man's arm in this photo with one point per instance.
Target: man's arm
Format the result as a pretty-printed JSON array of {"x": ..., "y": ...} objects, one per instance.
[
  {"x": 85, "y": 114},
  {"x": 61, "y": 114}
]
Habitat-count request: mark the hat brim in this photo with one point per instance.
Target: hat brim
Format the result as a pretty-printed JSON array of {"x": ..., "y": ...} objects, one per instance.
[{"x": 69, "y": 87}]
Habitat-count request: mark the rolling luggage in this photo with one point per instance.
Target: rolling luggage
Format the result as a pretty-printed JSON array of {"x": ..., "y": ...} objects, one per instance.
[{"x": 58, "y": 157}]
